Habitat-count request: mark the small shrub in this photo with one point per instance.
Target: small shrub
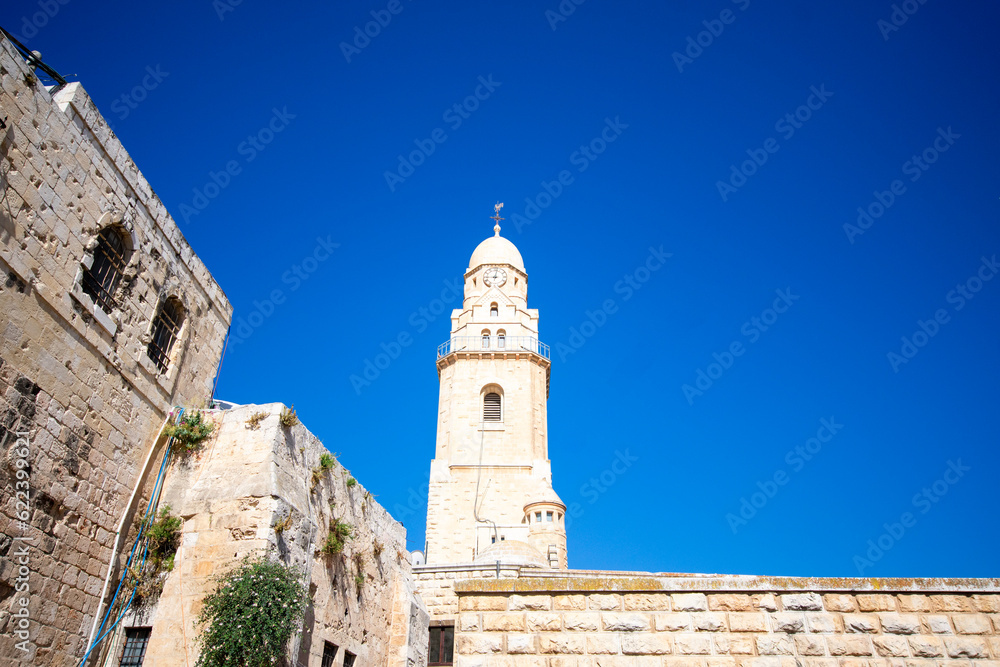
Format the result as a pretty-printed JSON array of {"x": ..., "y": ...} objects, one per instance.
[
  {"x": 359, "y": 582},
  {"x": 189, "y": 431},
  {"x": 377, "y": 548},
  {"x": 253, "y": 423},
  {"x": 163, "y": 537},
  {"x": 283, "y": 525},
  {"x": 351, "y": 482},
  {"x": 339, "y": 533},
  {"x": 288, "y": 418},
  {"x": 327, "y": 461},
  {"x": 252, "y": 613}
]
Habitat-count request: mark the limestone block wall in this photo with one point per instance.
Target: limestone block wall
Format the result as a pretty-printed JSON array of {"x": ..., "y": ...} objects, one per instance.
[
  {"x": 231, "y": 495},
  {"x": 514, "y": 455},
  {"x": 75, "y": 381},
  {"x": 611, "y": 620}
]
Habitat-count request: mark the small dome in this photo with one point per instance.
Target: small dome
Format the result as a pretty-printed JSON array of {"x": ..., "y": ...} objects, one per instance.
[
  {"x": 512, "y": 552},
  {"x": 496, "y": 250},
  {"x": 548, "y": 496}
]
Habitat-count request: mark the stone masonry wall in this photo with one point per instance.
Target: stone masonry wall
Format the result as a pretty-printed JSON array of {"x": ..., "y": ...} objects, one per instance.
[
  {"x": 647, "y": 621},
  {"x": 231, "y": 494},
  {"x": 75, "y": 380}
]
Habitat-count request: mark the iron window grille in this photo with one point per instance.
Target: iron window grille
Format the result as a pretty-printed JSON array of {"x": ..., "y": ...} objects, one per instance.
[
  {"x": 110, "y": 257},
  {"x": 349, "y": 659},
  {"x": 136, "y": 640},
  {"x": 166, "y": 328},
  {"x": 329, "y": 654}
]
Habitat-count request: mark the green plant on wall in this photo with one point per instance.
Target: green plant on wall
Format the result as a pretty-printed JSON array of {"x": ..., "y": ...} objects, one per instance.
[
  {"x": 339, "y": 533},
  {"x": 189, "y": 431},
  {"x": 288, "y": 418},
  {"x": 252, "y": 613},
  {"x": 163, "y": 537}
]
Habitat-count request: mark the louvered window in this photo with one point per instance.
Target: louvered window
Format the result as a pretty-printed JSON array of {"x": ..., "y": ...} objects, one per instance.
[
  {"x": 101, "y": 279},
  {"x": 491, "y": 407},
  {"x": 166, "y": 328}
]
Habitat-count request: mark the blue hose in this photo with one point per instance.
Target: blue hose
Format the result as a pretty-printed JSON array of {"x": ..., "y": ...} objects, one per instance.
[{"x": 145, "y": 550}]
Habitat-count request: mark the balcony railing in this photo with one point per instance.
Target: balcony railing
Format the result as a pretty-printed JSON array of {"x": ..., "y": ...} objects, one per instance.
[{"x": 493, "y": 344}]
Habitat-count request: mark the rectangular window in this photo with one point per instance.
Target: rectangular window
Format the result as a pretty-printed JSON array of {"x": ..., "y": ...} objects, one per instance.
[
  {"x": 136, "y": 640},
  {"x": 329, "y": 654},
  {"x": 349, "y": 659},
  {"x": 548, "y": 516},
  {"x": 442, "y": 645},
  {"x": 538, "y": 517}
]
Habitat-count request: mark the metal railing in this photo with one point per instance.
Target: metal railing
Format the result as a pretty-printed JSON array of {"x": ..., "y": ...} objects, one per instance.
[{"x": 493, "y": 344}]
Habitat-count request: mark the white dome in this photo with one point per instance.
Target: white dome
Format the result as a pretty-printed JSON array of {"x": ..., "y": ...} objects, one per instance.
[{"x": 496, "y": 250}]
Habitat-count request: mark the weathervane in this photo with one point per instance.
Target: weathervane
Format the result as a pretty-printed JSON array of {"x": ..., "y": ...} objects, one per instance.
[{"x": 496, "y": 216}]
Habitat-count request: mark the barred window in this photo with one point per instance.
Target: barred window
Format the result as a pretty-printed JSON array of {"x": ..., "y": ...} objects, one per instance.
[
  {"x": 491, "y": 407},
  {"x": 349, "y": 659},
  {"x": 166, "y": 327},
  {"x": 329, "y": 654},
  {"x": 136, "y": 640},
  {"x": 109, "y": 260}
]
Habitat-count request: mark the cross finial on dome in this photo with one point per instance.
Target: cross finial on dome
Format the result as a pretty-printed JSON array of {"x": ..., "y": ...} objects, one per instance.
[{"x": 496, "y": 216}]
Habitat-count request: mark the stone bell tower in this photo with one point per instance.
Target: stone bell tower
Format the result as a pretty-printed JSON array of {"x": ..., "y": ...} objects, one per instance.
[{"x": 491, "y": 495}]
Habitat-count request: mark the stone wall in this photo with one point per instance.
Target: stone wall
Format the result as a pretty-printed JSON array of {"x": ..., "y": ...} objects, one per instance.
[
  {"x": 610, "y": 620},
  {"x": 231, "y": 494},
  {"x": 75, "y": 380}
]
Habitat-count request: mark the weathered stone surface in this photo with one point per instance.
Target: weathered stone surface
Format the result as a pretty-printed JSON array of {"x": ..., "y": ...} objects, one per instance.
[
  {"x": 646, "y": 643},
  {"x": 802, "y": 602},
  {"x": 518, "y": 643},
  {"x": 924, "y": 646},
  {"x": 686, "y": 644},
  {"x": 603, "y": 644},
  {"x": 672, "y": 622},
  {"x": 966, "y": 647},
  {"x": 747, "y": 622},
  {"x": 730, "y": 602},
  {"x": 645, "y": 602},
  {"x": 889, "y": 646},
  {"x": 530, "y": 602},
  {"x": 899, "y": 624},
  {"x": 625, "y": 622},
  {"x": 809, "y": 645},
  {"x": 605, "y": 602},
  {"x": 788, "y": 622},
  {"x": 504, "y": 622},
  {"x": 689, "y": 602},
  {"x": 709, "y": 621},
  {"x": 775, "y": 645},
  {"x": 543, "y": 622},
  {"x": 867, "y": 623},
  {"x": 478, "y": 643},
  {"x": 561, "y": 643},
  {"x": 972, "y": 624},
  {"x": 582, "y": 622}
]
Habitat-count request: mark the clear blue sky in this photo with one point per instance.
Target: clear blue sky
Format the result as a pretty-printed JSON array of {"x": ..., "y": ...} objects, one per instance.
[{"x": 681, "y": 124}]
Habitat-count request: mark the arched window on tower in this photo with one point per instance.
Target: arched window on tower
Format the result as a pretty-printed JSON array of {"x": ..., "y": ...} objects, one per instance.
[
  {"x": 486, "y": 339},
  {"x": 494, "y": 310},
  {"x": 109, "y": 259},
  {"x": 166, "y": 329},
  {"x": 492, "y": 407}
]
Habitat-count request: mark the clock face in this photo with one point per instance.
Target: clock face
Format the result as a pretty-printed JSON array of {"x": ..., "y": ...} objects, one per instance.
[{"x": 495, "y": 277}]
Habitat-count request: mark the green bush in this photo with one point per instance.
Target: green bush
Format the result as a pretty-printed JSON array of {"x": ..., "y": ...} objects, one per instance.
[
  {"x": 339, "y": 533},
  {"x": 327, "y": 461},
  {"x": 351, "y": 482},
  {"x": 252, "y": 613},
  {"x": 189, "y": 431}
]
